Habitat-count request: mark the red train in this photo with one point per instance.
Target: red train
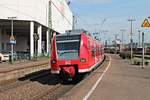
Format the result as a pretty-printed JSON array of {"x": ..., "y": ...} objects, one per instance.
[{"x": 75, "y": 53}]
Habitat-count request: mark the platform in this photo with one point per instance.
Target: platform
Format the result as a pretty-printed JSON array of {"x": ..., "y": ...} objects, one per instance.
[
  {"x": 19, "y": 69},
  {"x": 118, "y": 79}
]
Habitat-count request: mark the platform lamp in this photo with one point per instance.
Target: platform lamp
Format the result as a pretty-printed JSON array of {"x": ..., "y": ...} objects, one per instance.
[
  {"x": 122, "y": 30},
  {"x": 12, "y": 35},
  {"x": 139, "y": 38},
  {"x": 131, "y": 39}
]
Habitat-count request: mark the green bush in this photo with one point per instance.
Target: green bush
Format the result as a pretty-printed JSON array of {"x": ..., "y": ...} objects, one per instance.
[
  {"x": 146, "y": 62},
  {"x": 124, "y": 55},
  {"x": 138, "y": 61}
]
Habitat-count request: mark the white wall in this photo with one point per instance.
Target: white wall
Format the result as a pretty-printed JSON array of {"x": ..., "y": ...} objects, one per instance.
[
  {"x": 62, "y": 17},
  {"x": 36, "y": 10}
]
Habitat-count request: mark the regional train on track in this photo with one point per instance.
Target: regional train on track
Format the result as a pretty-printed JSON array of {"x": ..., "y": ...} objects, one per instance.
[{"x": 75, "y": 53}]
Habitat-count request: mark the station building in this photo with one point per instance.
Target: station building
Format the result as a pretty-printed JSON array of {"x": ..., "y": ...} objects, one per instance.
[{"x": 24, "y": 18}]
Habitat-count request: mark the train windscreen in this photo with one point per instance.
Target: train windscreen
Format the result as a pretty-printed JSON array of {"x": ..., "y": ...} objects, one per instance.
[{"x": 68, "y": 47}]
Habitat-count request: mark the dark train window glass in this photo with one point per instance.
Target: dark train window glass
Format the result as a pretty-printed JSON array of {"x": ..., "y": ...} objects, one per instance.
[
  {"x": 68, "y": 50},
  {"x": 62, "y": 38}
]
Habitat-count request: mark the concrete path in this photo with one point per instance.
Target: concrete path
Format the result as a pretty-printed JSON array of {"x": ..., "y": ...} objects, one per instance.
[{"x": 123, "y": 81}]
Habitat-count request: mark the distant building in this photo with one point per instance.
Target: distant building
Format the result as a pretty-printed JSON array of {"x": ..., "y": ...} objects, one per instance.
[{"x": 147, "y": 45}]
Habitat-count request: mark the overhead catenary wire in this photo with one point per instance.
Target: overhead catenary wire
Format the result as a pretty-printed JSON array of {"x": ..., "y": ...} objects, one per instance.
[{"x": 77, "y": 16}]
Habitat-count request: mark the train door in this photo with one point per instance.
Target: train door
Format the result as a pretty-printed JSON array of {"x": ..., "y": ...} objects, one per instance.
[{"x": 95, "y": 53}]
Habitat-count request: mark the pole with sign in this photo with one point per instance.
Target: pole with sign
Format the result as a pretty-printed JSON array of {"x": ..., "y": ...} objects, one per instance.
[
  {"x": 12, "y": 40},
  {"x": 145, "y": 24},
  {"x": 143, "y": 50}
]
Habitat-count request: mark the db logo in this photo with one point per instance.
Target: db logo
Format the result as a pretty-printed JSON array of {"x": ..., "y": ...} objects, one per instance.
[{"x": 68, "y": 62}]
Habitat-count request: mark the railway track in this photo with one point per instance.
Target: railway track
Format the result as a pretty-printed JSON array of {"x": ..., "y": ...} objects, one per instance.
[
  {"x": 46, "y": 93},
  {"x": 42, "y": 86},
  {"x": 37, "y": 86},
  {"x": 23, "y": 81},
  {"x": 17, "y": 70}
]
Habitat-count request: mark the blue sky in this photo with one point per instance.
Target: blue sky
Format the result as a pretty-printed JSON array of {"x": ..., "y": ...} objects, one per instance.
[{"x": 90, "y": 15}]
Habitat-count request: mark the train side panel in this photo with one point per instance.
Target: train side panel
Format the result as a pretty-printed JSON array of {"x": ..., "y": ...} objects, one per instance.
[
  {"x": 83, "y": 66},
  {"x": 90, "y": 53}
]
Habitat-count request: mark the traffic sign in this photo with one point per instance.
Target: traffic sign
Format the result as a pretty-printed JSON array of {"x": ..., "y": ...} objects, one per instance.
[
  {"x": 12, "y": 38},
  {"x": 146, "y": 23},
  {"x": 12, "y": 41}
]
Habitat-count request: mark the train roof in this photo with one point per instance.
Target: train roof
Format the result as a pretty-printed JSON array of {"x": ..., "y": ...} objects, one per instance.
[{"x": 74, "y": 32}]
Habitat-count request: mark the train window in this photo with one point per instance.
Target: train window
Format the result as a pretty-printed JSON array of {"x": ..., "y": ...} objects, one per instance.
[
  {"x": 68, "y": 50},
  {"x": 94, "y": 50},
  {"x": 100, "y": 50},
  {"x": 88, "y": 44},
  {"x": 66, "y": 38}
]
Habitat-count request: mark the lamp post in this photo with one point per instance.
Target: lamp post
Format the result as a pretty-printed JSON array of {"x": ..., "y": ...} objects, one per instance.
[
  {"x": 131, "y": 40},
  {"x": 96, "y": 27},
  {"x": 12, "y": 35},
  {"x": 101, "y": 26},
  {"x": 139, "y": 38},
  {"x": 143, "y": 50},
  {"x": 122, "y": 30},
  {"x": 116, "y": 35}
]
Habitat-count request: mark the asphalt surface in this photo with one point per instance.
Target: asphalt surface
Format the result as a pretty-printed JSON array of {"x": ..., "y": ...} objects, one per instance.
[{"x": 123, "y": 81}]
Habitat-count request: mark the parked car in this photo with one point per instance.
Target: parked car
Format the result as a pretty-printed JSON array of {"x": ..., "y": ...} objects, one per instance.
[{"x": 6, "y": 56}]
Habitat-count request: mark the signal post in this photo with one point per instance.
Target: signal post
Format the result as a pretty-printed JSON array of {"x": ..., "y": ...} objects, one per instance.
[{"x": 145, "y": 24}]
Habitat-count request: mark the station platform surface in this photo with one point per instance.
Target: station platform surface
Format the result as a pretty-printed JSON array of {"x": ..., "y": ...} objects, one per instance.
[
  {"x": 20, "y": 68},
  {"x": 6, "y": 66},
  {"x": 121, "y": 81}
]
